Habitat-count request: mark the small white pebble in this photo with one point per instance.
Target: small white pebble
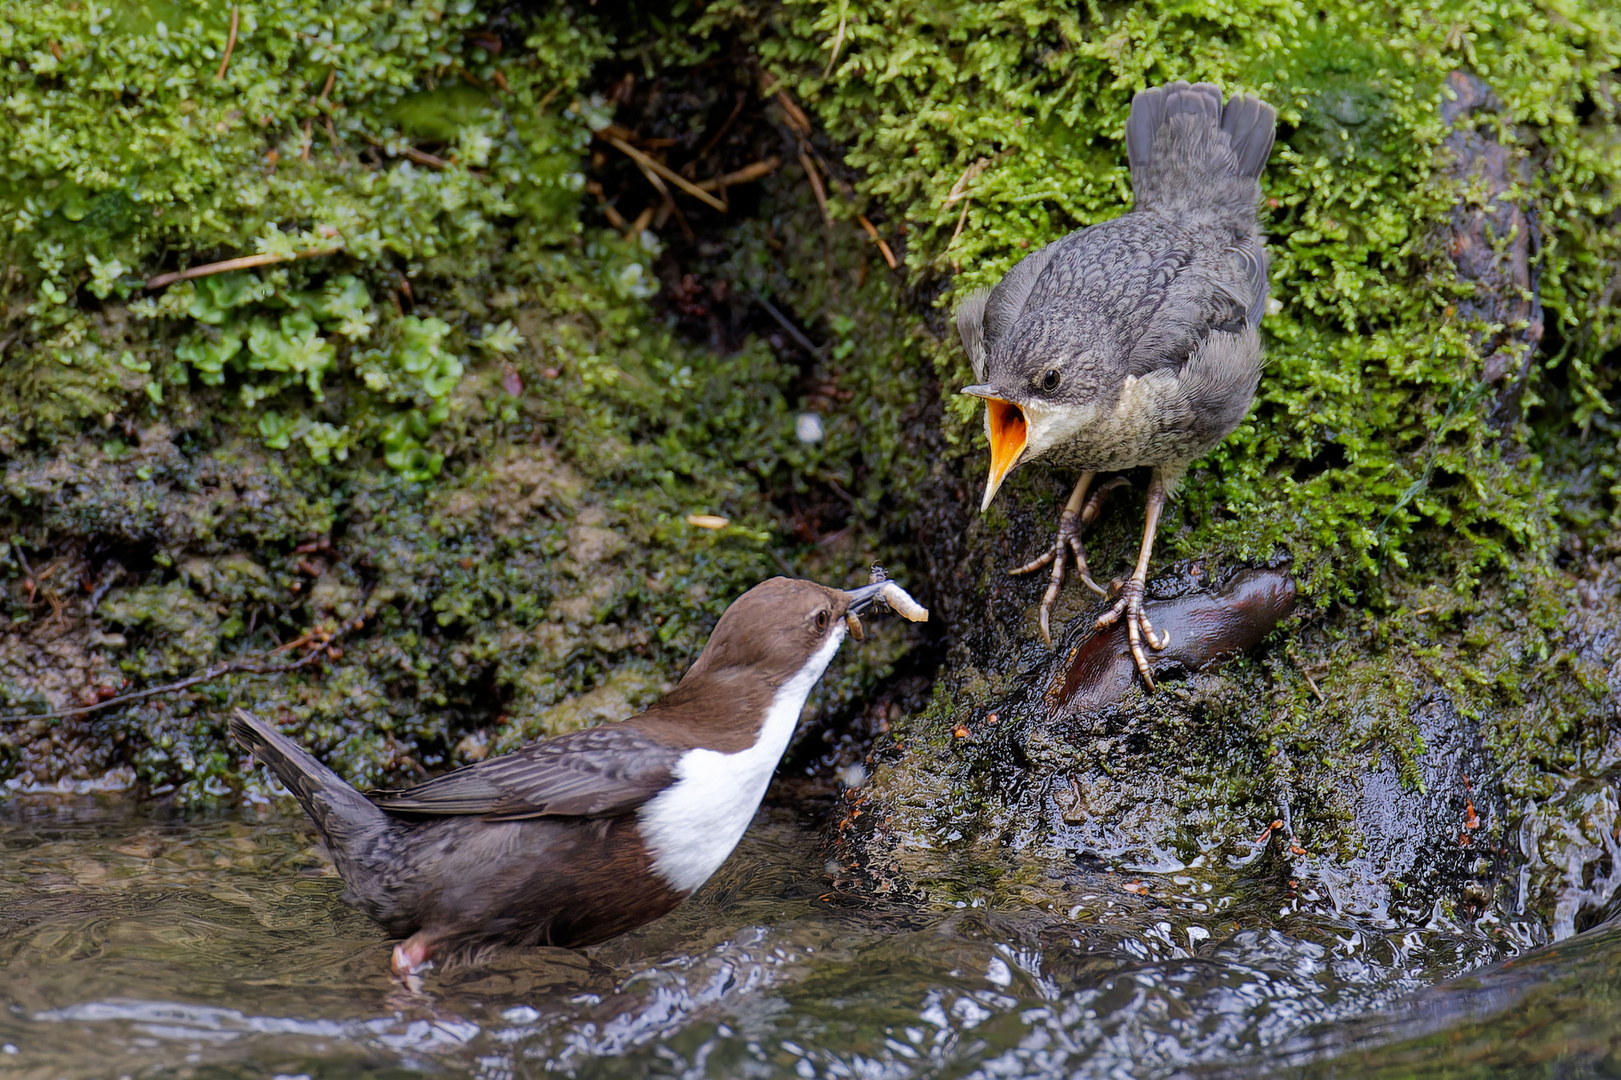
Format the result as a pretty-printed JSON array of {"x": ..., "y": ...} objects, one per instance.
[{"x": 808, "y": 428}]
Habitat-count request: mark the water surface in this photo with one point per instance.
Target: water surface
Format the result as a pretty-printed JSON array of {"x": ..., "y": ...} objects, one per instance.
[{"x": 135, "y": 944}]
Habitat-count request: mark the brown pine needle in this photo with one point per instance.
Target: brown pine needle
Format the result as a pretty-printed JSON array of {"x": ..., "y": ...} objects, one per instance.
[
  {"x": 309, "y": 128},
  {"x": 1313, "y": 684},
  {"x": 643, "y": 220},
  {"x": 838, "y": 42},
  {"x": 743, "y": 175},
  {"x": 959, "y": 190},
  {"x": 872, "y": 231},
  {"x": 816, "y": 185},
  {"x": 421, "y": 157},
  {"x": 962, "y": 219},
  {"x": 251, "y": 665},
  {"x": 326, "y": 91},
  {"x": 615, "y": 218},
  {"x": 652, "y": 166},
  {"x": 230, "y": 44},
  {"x": 246, "y": 262},
  {"x": 796, "y": 116}
]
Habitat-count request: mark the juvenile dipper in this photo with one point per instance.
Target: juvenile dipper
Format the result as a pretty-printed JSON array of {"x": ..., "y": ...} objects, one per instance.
[
  {"x": 576, "y": 838},
  {"x": 1133, "y": 342}
]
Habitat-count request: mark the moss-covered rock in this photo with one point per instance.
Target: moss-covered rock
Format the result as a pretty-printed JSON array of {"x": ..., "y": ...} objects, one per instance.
[
  {"x": 445, "y": 416},
  {"x": 1442, "y": 178}
]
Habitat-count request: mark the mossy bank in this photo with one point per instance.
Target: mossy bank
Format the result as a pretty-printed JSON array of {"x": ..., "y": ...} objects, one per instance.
[{"x": 485, "y": 369}]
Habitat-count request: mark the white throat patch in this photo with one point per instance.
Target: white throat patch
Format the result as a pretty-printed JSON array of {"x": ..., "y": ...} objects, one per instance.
[{"x": 693, "y": 825}]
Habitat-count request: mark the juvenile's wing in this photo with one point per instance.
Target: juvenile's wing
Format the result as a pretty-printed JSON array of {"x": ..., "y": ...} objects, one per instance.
[{"x": 596, "y": 773}]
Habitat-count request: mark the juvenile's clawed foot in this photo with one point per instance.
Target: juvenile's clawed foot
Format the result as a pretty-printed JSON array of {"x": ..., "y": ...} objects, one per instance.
[
  {"x": 1138, "y": 628},
  {"x": 1071, "y": 521}
]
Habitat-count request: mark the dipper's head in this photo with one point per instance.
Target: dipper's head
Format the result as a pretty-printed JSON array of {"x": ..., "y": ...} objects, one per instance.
[
  {"x": 779, "y": 629},
  {"x": 1051, "y": 376}
]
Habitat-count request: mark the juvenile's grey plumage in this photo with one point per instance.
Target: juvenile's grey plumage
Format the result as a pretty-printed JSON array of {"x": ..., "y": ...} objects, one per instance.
[{"x": 1136, "y": 341}]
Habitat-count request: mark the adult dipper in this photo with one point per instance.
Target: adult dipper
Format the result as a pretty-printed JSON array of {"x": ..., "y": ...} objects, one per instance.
[
  {"x": 1135, "y": 341},
  {"x": 576, "y": 838}
]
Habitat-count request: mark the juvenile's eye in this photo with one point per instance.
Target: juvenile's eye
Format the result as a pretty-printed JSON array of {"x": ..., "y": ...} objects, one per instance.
[
  {"x": 821, "y": 619},
  {"x": 1049, "y": 380}
]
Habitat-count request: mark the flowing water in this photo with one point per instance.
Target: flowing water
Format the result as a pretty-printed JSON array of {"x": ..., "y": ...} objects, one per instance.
[{"x": 134, "y": 944}]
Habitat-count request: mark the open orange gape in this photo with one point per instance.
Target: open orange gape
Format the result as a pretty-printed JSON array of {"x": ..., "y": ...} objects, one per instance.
[{"x": 1005, "y": 423}]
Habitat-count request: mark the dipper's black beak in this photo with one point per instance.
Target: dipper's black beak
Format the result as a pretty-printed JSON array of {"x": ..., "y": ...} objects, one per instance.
[{"x": 861, "y": 599}]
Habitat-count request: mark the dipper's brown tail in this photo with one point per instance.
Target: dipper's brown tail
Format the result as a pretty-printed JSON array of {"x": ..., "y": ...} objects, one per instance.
[
  {"x": 1188, "y": 152},
  {"x": 345, "y": 817}
]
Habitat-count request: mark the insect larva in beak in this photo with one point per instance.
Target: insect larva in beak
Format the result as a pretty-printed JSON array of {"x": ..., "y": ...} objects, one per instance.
[{"x": 902, "y": 603}]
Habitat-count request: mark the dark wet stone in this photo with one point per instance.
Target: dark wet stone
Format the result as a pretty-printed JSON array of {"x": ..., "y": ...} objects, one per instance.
[{"x": 1205, "y": 628}]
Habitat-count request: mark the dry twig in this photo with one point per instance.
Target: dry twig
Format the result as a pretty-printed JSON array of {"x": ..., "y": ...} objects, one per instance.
[
  {"x": 962, "y": 219},
  {"x": 959, "y": 190},
  {"x": 714, "y": 140},
  {"x": 796, "y": 116},
  {"x": 230, "y": 44},
  {"x": 817, "y": 189},
  {"x": 651, "y": 165},
  {"x": 421, "y": 157},
  {"x": 838, "y": 42},
  {"x": 615, "y": 218},
  {"x": 265, "y": 258},
  {"x": 254, "y": 666},
  {"x": 743, "y": 175},
  {"x": 872, "y": 231}
]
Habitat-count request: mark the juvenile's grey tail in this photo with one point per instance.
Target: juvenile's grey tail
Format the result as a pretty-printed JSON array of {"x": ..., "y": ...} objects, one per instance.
[
  {"x": 344, "y": 816},
  {"x": 1188, "y": 152}
]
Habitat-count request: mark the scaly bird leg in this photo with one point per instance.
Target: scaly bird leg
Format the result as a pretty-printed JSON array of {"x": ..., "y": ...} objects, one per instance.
[
  {"x": 1130, "y": 603},
  {"x": 1071, "y": 521},
  {"x": 411, "y": 958}
]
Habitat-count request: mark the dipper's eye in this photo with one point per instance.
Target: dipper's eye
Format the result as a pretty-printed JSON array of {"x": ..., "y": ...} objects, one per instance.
[
  {"x": 1049, "y": 380},
  {"x": 821, "y": 619}
]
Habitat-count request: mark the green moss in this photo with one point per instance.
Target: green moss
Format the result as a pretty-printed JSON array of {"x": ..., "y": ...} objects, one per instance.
[{"x": 465, "y": 426}]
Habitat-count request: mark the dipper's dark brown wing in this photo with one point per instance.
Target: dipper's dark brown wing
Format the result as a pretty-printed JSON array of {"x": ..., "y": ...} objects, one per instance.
[{"x": 597, "y": 773}]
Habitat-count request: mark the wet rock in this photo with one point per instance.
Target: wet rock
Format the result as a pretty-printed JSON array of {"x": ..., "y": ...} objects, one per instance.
[
  {"x": 1419, "y": 842},
  {"x": 1204, "y": 628},
  {"x": 1494, "y": 241}
]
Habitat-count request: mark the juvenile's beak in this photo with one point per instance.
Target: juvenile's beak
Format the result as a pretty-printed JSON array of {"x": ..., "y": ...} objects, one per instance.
[{"x": 1005, "y": 427}]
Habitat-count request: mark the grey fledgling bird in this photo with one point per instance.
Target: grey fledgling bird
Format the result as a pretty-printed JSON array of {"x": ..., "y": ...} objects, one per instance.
[{"x": 1135, "y": 341}]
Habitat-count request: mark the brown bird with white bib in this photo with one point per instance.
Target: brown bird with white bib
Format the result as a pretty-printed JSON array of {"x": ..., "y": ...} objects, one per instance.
[{"x": 576, "y": 838}]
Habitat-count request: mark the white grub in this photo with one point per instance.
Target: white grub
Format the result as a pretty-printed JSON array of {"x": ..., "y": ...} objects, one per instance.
[{"x": 902, "y": 603}]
